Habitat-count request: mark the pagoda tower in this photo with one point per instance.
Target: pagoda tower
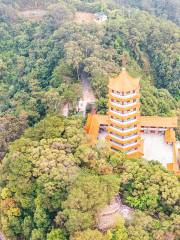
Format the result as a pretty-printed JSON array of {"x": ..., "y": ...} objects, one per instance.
[{"x": 124, "y": 115}]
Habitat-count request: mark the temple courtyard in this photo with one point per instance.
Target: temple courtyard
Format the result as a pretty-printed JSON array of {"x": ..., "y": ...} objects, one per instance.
[{"x": 155, "y": 148}]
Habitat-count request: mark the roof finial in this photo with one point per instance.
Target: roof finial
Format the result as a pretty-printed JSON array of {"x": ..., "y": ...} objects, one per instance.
[{"x": 123, "y": 69}]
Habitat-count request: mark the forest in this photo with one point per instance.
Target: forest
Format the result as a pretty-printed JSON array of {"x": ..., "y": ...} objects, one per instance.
[
  {"x": 168, "y": 9},
  {"x": 52, "y": 184}
]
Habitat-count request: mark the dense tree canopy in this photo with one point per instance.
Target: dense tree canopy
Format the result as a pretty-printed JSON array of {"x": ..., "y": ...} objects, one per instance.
[
  {"x": 53, "y": 185},
  {"x": 166, "y": 9},
  {"x": 40, "y": 61}
]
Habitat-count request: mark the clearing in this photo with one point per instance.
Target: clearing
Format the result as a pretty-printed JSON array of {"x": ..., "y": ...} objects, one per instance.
[
  {"x": 33, "y": 15},
  {"x": 88, "y": 97},
  {"x": 108, "y": 217},
  {"x": 84, "y": 17},
  {"x": 88, "y": 94}
]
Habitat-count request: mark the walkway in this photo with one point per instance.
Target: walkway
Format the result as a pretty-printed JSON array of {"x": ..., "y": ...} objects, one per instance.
[
  {"x": 65, "y": 110},
  {"x": 108, "y": 217},
  {"x": 88, "y": 94}
]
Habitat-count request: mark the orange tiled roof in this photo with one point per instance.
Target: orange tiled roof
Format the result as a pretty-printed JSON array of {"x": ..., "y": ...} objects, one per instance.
[
  {"x": 124, "y": 82},
  {"x": 102, "y": 119},
  {"x": 93, "y": 123},
  {"x": 170, "y": 136},
  {"x": 95, "y": 120},
  {"x": 155, "y": 121}
]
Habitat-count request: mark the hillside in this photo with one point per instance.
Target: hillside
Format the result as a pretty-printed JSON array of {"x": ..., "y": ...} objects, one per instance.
[
  {"x": 53, "y": 55},
  {"x": 54, "y": 185},
  {"x": 165, "y": 9}
]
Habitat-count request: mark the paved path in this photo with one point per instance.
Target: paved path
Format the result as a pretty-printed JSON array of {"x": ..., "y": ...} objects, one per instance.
[{"x": 109, "y": 215}]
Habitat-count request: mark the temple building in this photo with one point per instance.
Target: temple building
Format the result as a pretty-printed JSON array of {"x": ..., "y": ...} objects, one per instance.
[
  {"x": 151, "y": 137},
  {"x": 124, "y": 115}
]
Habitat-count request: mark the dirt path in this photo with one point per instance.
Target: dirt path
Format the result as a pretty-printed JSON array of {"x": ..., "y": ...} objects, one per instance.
[
  {"x": 109, "y": 215},
  {"x": 88, "y": 94},
  {"x": 88, "y": 97},
  {"x": 65, "y": 110}
]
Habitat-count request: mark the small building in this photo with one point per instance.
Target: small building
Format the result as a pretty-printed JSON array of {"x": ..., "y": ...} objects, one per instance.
[{"x": 100, "y": 17}]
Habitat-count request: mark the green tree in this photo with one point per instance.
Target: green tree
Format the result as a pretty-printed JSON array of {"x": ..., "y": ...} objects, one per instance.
[
  {"x": 56, "y": 234},
  {"x": 27, "y": 226},
  {"x": 121, "y": 232},
  {"x": 37, "y": 234},
  {"x": 89, "y": 235}
]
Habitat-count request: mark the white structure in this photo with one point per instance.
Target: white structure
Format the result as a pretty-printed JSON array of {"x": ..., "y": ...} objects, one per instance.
[
  {"x": 101, "y": 17},
  {"x": 155, "y": 148}
]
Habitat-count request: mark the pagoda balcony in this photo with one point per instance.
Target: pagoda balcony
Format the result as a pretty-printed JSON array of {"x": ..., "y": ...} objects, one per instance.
[
  {"x": 118, "y": 95},
  {"x": 121, "y": 131},
  {"x": 127, "y": 147},
  {"x": 126, "y": 139},
  {"x": 132, "y": 152},
  {"x": 137, "y": 96},
  {"x": 123, "y": 114},
  {"x": 124, "y": 122},
  {"x": 123, "y": 106}
]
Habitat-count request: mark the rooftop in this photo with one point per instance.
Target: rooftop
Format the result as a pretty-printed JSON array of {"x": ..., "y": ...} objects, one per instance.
[
  {"x": 95, "y": 120},
  {"x": 124, "y": 82},
  {"x": 170, "y": 136},
  {"x": 161, "y": 122}
]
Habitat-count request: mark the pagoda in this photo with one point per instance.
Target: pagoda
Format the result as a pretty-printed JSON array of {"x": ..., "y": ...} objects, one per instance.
[{"x": 124, "y": 115}]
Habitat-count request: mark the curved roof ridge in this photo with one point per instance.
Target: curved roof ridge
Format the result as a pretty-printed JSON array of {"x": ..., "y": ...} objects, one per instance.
[{"x": 124, "y": 82}]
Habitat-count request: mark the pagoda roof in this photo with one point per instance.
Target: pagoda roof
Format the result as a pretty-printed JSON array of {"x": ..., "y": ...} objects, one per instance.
[
  {"x": 124, "y": 82},
  {"x": 95, "y": 122}
]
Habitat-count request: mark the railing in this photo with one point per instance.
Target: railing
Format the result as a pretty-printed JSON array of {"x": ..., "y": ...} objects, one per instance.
[
  {"x": 123, "y": 106},
  {"x": 125, "y": 138},
  {"x": 124, "y": 130},
  {"x": 118, "y": 95},
  {"x": 122, "y": 114},
  {"x": 153, "y": 129},
  {"x": 123, "y": 122},
  {"x": 123, "y": 146},
  {"x": 132, "y": 151}
]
